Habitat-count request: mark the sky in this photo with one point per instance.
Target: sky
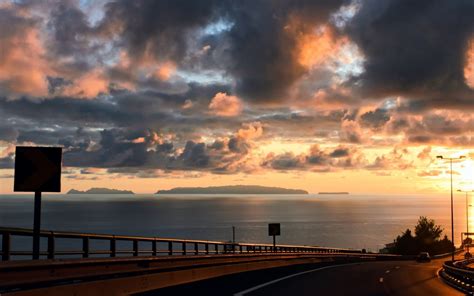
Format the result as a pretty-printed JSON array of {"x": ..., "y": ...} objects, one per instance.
[{"x": 321, "y": 95}]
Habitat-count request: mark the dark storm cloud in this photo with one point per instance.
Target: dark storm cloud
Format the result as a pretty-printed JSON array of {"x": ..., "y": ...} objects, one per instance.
[
  {"x": 285, "y": 161},
  {"x": 119, "y": 148},
  {"x": 238, "y": 145},
  {"x": 263, "y": 51},
  {"x": 62, "y": 109},
  {"x": 375, "y": 119},
  {"x": 195, "y": 155},
  {"x": 339, "y": 152},
  {"x": 160, "y": 28},
  {"x": 316, "y": 159},
  {"x": 8, "y": 133},
  {"x": 70, "y": 30},
  {"x": 415, "y": 49},
  {"x": 435, "y": 128},
  {"x": 122, "y": 108},
  {"x": 257, "y": 49}
]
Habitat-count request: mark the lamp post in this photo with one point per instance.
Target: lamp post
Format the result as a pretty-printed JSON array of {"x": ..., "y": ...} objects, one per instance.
[
  {"x": 467, "y": 213},
  {"x": 450, "y": 159}
]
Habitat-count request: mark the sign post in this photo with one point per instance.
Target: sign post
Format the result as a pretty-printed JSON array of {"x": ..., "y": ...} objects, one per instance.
[
  {"x": 274, "y": 230},
  {"x": 37, "y": 169},
  {"x": 37, "y": 225}
]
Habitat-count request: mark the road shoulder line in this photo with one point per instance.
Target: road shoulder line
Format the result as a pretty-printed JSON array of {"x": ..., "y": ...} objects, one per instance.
[{"x": 241, "y": 293}]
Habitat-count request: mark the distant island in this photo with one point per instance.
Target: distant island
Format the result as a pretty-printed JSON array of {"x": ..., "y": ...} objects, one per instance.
[
  {"x": 237, "y": 189},
  {"x": 336, "y": 192},
  {"x": 100, "y": 191}
]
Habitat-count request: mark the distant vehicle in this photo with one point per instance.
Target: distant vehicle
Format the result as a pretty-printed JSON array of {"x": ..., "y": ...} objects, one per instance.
[
  {"x": 467, "y": 255},
  {"x": 423, "y": 257}
]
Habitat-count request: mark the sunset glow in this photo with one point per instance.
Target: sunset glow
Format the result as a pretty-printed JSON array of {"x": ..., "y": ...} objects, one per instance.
[{"x": 324, "y": 97}]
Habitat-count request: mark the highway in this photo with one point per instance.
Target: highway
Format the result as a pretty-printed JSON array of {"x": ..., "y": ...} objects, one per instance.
[{"x": 369, "y": 279}]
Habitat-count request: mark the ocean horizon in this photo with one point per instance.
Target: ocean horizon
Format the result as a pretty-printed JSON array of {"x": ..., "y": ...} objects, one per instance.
[{"x": 347, "y": 221}]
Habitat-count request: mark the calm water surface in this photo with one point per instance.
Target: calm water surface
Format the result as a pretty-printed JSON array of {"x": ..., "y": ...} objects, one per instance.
[{"x": 356, "y": 221}]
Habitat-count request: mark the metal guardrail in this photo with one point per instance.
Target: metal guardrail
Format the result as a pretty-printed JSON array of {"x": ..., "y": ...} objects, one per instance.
[
  {"x": 157, "y": 245},
  {"x": 458, "y": 275}
]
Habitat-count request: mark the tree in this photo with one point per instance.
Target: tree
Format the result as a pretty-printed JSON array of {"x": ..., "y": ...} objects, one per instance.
[
  {"x": 426, "y": 239},
  {"x": 405, "y": 244},
  {"x": 427, "y": 232}
]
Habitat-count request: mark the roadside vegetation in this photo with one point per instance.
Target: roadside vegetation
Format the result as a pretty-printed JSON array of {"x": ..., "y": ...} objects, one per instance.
[{"x": 426, "y": 238}]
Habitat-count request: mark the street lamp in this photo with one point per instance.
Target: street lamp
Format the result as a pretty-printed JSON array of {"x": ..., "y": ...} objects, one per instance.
[
  {"x": 467, "y": 213},
  {"x": 452, "y": 211}
]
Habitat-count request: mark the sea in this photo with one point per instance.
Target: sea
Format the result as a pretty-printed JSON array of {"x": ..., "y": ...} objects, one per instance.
[{"x": 346, "y": 221}]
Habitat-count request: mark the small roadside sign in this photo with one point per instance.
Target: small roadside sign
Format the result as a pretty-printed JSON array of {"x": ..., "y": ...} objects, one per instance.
[
  {"x": 37, "y": 169},
  {"x": 273, "y": 229}
]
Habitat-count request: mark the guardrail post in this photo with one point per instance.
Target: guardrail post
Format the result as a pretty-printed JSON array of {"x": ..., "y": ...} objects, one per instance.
[
  {"x": 85, "y": 247},
  {"x": 170, "y": 248},
  {"x": 6, "y": 246},
  {"x": 135, "y": 248},
  {"x": 51, "y": 245},
  {"x": 216, "y": 247},
  {"x": 241, "y": 249},
  {"x": 266, "y": 249},
  {"x": 207, "y": 248},
  {"x": 196, "y": 249},
  {"x": 184, "y": 248},
  {"x": 153, "y": 247},
  {"x": 113, "y": 247}
]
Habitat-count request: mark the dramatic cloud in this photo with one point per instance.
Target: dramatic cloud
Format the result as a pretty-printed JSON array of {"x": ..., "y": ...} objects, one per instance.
[
  {"x": 187, "y": 88},
  {"x": 225, "y": 105},
  {"x": 317, "y": 159},
  {"x": 415, "y": 50},
  {"x": 23, "y": 69}
]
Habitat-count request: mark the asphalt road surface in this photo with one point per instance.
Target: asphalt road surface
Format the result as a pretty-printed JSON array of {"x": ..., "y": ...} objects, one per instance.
[{"x": 369, "y": 279}]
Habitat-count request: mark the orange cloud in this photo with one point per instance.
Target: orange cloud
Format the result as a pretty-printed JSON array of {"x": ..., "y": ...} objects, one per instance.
[
  {"x": 23, "y": 68},
  {"x": 251, "y": 130},
  {"x": 315, "y": 48},
  {"x": 330, "y": 99},
  {"x": 225, "y": 105},
  {"x": 88, "y": 85},
  {"x": 165, "y": 71}
]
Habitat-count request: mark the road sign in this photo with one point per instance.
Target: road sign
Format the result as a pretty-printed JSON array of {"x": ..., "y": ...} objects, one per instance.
[
  {"x": 38, "y": 169},
  {"x": 273, "y": 229}
]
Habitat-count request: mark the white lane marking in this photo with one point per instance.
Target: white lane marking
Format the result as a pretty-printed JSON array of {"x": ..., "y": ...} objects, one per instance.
[
  {"x": 241, "y": 293},
  {"x": 387, "y": 271},
  {"x": 381, "y": 280},
  {"x": 397, "y": 267}
]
